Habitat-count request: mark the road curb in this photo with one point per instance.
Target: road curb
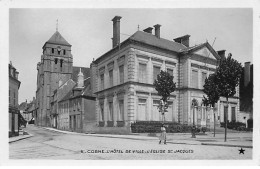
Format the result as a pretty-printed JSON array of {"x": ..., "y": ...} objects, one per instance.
[
  {"x": 21, "y": 138},
  {"x": 170, "y": 142},
  {"x": 226, "y": 145}
]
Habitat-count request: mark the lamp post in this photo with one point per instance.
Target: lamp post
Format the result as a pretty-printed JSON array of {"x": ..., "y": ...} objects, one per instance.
[{"x": 194, "y": 104}]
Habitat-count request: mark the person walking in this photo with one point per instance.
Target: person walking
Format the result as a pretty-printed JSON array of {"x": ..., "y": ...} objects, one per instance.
[{"x": 163, "y": 134}]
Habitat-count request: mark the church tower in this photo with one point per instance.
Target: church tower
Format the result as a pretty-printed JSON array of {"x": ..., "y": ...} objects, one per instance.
[{"x": 55, "y": 67}]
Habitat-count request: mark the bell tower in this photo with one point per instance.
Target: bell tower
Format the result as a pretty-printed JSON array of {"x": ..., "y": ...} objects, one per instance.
[{"x": 55, "y": 67}]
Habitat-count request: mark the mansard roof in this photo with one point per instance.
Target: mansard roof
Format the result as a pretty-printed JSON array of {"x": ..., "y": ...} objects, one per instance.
[
  {"x": 56, "y": 38},
  {"x": 152, "y": 40},
  {"x": 148, "y": 39}
]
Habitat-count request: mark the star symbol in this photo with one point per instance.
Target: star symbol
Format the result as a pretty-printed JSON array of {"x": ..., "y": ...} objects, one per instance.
[{"x": 241, "y": 151}]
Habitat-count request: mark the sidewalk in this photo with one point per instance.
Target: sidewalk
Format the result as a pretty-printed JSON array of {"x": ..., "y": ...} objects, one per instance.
[
  {"x": 20, "y": 137},
  {"x": 233, "y": 139}
]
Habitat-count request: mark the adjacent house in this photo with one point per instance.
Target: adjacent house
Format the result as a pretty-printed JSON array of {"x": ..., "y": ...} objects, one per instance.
[
  {"x": 79, "y": 106},
  {"x": 246, "y": 93},
  {"x": 27, "y": 110},
  {"x": 14, "y": 85}
]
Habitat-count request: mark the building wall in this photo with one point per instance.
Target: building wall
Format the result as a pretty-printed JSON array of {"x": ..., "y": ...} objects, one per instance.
[
  {"x": 13, "y": 92},
  {"x": 132, "y": 92},
  {"x": 14, "y": 84},
  {"x": 140, "y": 97},
  {"x": 243, "y": 114},
  {"x": 61, "y": 107},
  {"x": 63, "y": 116},
  {"x": 88, "y": 116},
  {"x": 75, "y": 115}
]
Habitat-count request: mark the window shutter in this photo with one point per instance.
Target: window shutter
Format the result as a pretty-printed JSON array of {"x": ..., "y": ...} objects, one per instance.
[
  {"x": 194, "y": 78},
  {"x": 156, "y": 71},
  {"x": 142, "y": 73}
]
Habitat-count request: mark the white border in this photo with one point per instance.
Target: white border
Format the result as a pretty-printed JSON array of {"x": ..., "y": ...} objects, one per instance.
[{"x": 5, "y": 5}]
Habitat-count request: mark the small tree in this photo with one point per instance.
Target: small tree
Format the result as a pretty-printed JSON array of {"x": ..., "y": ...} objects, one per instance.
[
  {"x": 211, "y": 90},
  {"x": 165, "y": 86},
  {"x": 227, "y": 77}
]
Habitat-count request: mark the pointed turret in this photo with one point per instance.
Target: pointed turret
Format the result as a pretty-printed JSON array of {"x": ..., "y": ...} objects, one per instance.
[
  {"x": 56, "y": 38},
  {"x": 80, "y": 79}
]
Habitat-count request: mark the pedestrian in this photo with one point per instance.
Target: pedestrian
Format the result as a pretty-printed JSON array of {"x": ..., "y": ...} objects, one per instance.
[
  {"x": 245, "y": 121},
  {"x": 163, "y": 134}
]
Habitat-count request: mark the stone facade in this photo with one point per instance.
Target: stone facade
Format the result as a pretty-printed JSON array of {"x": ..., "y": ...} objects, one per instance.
[
  {"x": 123, "y": 80},
  {"x": 59, "y": 116},
  {"x": 76, "y": 110},
  {"x": 14, "y": 85}
]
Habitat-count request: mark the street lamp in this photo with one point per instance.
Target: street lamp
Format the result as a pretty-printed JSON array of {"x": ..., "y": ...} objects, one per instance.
[{"x": 194, "y": 104}]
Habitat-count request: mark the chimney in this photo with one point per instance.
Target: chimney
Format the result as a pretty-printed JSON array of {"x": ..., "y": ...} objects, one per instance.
[
  {"x": 157, "y": 30},
  {"x": 185, "y": 40},
  {"x": 247, "y": 73},
  {"x": 221, "y": 53},
  {"x": 116, "y": 30},
  {"x": 148, "y": 30}
]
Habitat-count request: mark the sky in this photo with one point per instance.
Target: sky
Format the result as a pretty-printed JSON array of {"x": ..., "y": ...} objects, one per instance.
[{"x": 89, "y": 31}]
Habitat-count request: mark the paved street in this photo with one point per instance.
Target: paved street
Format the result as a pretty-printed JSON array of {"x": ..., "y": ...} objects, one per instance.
[{"x": 47, "y": 144}]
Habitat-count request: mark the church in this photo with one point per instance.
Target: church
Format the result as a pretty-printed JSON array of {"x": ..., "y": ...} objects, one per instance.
[
  {"x": 123, "y": 77},
  {"x": 57, "y": 78}
]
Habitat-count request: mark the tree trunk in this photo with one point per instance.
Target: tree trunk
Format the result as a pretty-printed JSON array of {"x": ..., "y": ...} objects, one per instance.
[
  {"x": 214, "y": 122},
  {"x": 226, "y": 115}
]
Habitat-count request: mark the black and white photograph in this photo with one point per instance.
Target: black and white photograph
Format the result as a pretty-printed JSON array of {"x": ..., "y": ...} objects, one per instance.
[{"x": 124, "y": 82}]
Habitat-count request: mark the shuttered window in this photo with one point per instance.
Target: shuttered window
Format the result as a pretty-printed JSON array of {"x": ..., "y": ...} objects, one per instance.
[
  {"x": 170, "y": 71},
  {"x": 111, "y": 78},
  {"x": 110, "y": 104},
  {"x": 233, "y": 117},
  {"x": 101, "y": 112},
  {"x": 121, "y": 110},
  {"x": 141, "y": 113},
  {"x": 121, "y": 74},
  {"x": 225, "y": 113},
  {"x": 156, "y": 71},
  {"x": 203, "y": 78},
  {"x": 102, "y": 82},
  {"x": 169, "y": 114},
  {"x": 156, "y": 114},
  {"x": 194, "y": 79},
  {"x": 142, "y": 73},
  {"x": 14, "y": 99},
  {"x": 78, "y": 121}
]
